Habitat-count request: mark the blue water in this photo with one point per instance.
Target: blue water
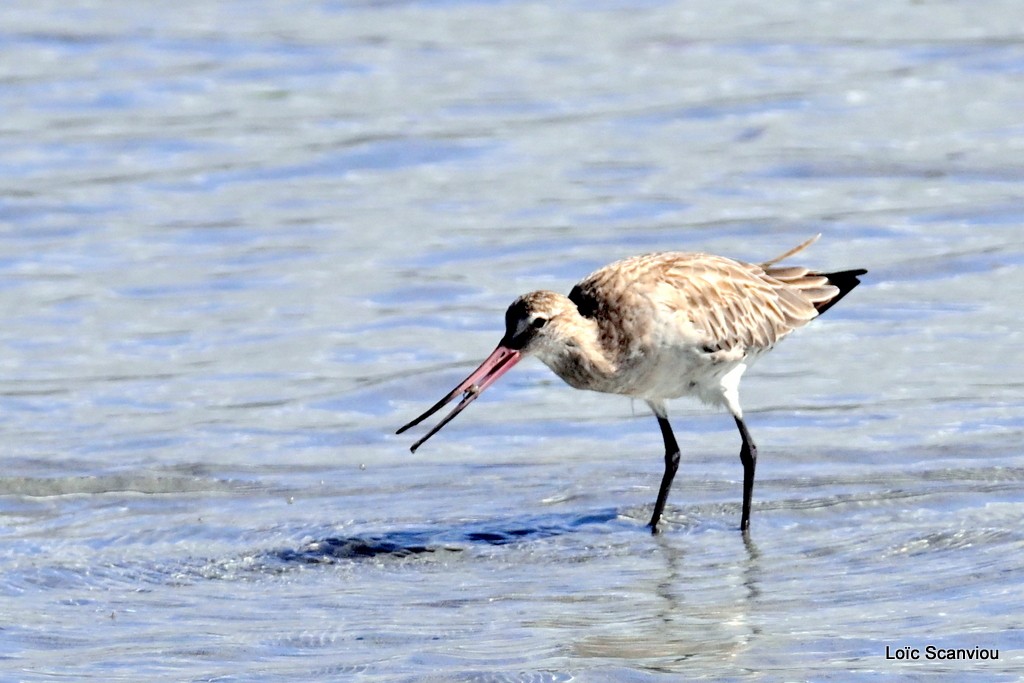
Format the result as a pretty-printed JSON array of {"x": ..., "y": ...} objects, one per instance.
[{"x": 241, "y": 243}]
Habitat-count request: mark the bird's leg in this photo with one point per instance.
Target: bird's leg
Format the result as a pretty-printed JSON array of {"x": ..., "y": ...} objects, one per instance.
[
  {"x": 671, "y": 465},
  {"x": 748, "y": 456}
]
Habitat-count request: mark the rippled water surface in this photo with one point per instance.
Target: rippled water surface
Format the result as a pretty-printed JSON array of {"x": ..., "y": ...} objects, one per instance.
[{"x": 241, "y": 243}]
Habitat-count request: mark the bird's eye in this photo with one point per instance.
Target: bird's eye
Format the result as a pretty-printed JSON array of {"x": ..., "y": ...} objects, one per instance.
[{"x": 538, "y": 322}]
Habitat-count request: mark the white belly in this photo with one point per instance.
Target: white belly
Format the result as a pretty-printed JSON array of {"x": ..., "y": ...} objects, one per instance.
[{"x": 712, "y": 378}]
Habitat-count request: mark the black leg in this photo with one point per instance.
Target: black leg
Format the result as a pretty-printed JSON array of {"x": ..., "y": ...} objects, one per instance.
[
  {"x": 671, "y": 465},
  {"x": 748, "y": 456}
]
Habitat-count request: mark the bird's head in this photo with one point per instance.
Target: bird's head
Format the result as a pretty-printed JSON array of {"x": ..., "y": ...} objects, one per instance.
[{"x": 535, "y": 323}]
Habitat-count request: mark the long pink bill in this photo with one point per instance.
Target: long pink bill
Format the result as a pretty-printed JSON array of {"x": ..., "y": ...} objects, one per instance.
[{"x": 497, "y": 364}]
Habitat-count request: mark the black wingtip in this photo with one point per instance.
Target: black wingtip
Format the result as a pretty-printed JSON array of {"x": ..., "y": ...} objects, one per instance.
[{"x": 845, "y": 280}]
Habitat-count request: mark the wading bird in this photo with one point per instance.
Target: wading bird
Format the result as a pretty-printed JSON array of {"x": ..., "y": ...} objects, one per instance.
[{"x": 661, "y": 326}]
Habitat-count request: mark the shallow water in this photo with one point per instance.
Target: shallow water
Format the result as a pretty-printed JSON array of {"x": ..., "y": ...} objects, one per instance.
[{"x": 241, "y": 243}]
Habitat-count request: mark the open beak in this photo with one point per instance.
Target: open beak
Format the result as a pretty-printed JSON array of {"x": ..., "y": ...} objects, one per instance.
[{"x": 497, "y": 364}]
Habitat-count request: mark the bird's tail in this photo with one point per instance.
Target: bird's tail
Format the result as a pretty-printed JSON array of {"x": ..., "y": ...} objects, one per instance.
[
  {"x": 823, "y": 290},
  {"x": 844, "y": 280}
]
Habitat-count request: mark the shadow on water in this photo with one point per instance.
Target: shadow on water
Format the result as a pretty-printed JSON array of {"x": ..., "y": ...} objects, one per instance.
[{"x": 406, "y": 542}]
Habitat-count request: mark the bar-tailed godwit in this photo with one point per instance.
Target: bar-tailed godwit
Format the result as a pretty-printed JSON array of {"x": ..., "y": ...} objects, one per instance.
[{"x": 657, "y": 327}]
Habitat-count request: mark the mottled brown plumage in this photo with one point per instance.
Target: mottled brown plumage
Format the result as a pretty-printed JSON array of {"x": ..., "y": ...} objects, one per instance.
[{"x": 662, "y": 326}]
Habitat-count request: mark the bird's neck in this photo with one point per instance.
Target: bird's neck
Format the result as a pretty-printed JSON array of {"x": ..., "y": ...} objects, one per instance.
[{"x": 581, "y": 360}]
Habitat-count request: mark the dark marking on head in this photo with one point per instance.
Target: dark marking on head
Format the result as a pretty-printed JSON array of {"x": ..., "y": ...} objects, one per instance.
[{"x": 516, "y": 313}]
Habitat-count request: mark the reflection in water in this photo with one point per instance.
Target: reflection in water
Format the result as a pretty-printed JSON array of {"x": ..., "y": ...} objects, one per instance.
[
  {"x": 752, "y": 569},
  {"x": 693, "y": 616}
]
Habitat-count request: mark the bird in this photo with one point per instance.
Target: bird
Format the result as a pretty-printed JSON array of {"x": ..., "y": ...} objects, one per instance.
[{"x": 661, "y": 326}]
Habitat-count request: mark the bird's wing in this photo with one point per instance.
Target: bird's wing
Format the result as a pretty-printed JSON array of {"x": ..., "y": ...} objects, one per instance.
[
  {"x": 713, "y": 301},
  {"x": 737, "y": 305}
]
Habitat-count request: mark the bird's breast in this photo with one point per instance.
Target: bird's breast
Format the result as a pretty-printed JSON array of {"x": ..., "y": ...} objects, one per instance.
[{"x": 652, "y": 373}]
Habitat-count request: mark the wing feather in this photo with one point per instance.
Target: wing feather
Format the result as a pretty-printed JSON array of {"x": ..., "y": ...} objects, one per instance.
[{"x": 720, "y": 303}]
